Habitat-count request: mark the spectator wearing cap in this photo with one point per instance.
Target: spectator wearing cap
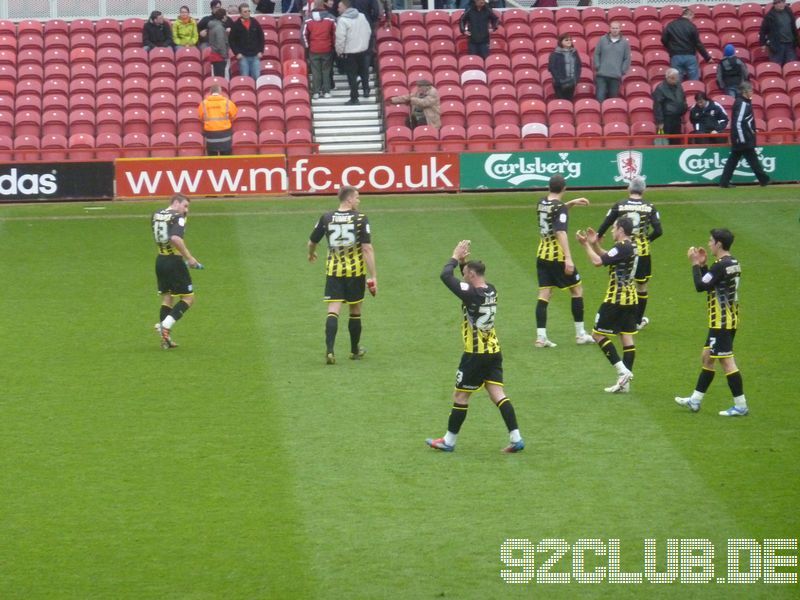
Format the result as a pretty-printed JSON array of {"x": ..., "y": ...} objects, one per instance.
[
  {"x": 731, "y": 72},
  {"x": 475, "y": 23},
  {"x": 565, "y": 67},
  {"x": 778, "y": 33},
  {"x": 612, "y": 59},
  {"x": 669, "y": 105},
  {"x": 682, "y": 41},
  {"x": 425, "y": 107},
  {"x": 156, "y": 33},
  {"x": 707, "y": 116}
]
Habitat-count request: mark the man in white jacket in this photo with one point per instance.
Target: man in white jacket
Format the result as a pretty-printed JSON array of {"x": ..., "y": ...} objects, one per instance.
[{"x": 353, "y": 33}]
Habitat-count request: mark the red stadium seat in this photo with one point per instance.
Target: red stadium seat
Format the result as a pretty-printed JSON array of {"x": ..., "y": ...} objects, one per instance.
[
  {"x": 479, "y": 138},
  {"x": 6, "y": 148},
  {"x": 750, "y": 9},
  {"x": 54, "y": 147},
  {"x": 476, "y": 91},
  {"x": 590, "y": 135},
  {"x": 507, "y": 137},
  {"x": 55, "y": 122},
  {"x": 244, "y": 97},
  {"x": 28, "y": 122},
  {"x": 7, "y": 123},
  {"x": 29, "y": 102},
  {"x": 640, "y": 109},
  {"x": 771, "y": 85},
  {"x": 506, "y": 112},
  {"x": 298, "y": 141},
  {"x": 163, "y": 144},
  {"x": 108, "y": 146},
  {"x": 272, "y": 142},
  {"x": 446, "y": 77},
  {"x": 271, "y": 117},
  {"x": 778, "y": 105},
  {"x": 425, "y": 138},
  {"x": 503, "y": 92},
  {"x": 453, "y": 112},
  {"x": 398, "y": 139},
  {"x": 452, "y": 138},
  {"x": 26, "y": 148},
  {"x": 109, "y": 121},
  {"x": 643, "y": 133},
  {"x": 616, "y": 134},
  {"x": 136, "y": 145},
  {"x": 81, "y": 146},
  {"x": 82, "y": 121},
  {"x": 558, "y": 133},
  {"x": 560, "y": 111},
  {"x": 480, "y": 112},
  {"x": 136, "y": 121},
  {"x": 587, "y": 111},
  {"x": 164, "y": 120}
]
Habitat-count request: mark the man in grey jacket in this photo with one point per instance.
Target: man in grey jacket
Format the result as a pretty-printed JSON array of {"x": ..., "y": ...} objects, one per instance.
[
  {"x": 612, "y": 58},
  {"x": 353, "y": 33}
]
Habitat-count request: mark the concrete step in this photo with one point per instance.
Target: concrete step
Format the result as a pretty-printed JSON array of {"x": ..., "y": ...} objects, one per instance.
[
  {"x": 349, "y": 147},
  {"x": 350, "y": 137},
  {"x": 349, "y": 125}
]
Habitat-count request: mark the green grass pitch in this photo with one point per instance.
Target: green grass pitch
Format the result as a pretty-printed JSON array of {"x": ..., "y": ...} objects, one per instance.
[{"x": 241, "y": 466}]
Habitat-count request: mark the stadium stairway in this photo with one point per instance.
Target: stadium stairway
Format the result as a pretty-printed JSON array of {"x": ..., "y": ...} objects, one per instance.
[{"x": 341, "y": 128}]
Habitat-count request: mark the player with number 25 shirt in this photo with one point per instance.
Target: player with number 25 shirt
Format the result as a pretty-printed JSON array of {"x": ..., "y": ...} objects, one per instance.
[
  {"x": 481, "y": 363},
  {"x": 350, "y": 256}
]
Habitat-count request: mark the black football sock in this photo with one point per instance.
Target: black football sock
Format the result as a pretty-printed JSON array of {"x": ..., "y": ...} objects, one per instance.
[
  {"x": 577, "y": 309},
  {"x": 541, "y": 313},
  {"x": 628, "y": 356},
  {"x": 178, "y": 310},
  {"x": 457, "y": 416},
  {"x": 640, "y": 308},
  {"x": 607, "y": 347},
  {"x": 508, "y": 414},
  {"x": 331, "y": 326},
  {"x": 704, "y": 380},
  {"x": 735, "y": 383},
  {"x": 165, "y": 310},
  {"x": 354, "y": 325}
]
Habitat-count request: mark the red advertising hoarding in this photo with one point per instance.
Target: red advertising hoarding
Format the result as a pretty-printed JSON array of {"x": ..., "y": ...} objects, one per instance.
[
  {"x": 373, "y": 173},
  {"x": 201, "y": 176},
  {"x": 275, "y": 174}
]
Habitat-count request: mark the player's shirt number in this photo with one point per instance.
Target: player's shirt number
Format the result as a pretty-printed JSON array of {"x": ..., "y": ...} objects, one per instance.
[
  {"x": 341, "y": 235},
  {"x": 161, "y": 232},
  {"x": 486, "y": 321}
]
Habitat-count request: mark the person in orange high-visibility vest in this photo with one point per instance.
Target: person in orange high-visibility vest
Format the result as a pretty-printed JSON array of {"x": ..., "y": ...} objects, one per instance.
[{"x": 217, "y": 112}]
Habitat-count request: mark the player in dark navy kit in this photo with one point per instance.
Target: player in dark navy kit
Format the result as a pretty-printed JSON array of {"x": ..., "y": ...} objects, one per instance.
[
  {"x": 172, "y": 266},
  {"x": 646, "y": 228},
  {"x": 721, "y": 283},
  {"x": 350, "y": 257},
  {"x": 554, "y": 265},
  {"x": 617, "y": 314},
  {"x": 482, "y": 362}
]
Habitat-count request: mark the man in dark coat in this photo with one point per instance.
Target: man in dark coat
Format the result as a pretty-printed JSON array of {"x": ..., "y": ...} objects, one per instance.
[
  {"x": 743, "y": 140},
  {"x": 778, "y": 34}
]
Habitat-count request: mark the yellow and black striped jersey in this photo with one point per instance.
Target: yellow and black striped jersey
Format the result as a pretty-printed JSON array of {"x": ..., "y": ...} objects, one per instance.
[
  {"x": 621, "y": 260},
  {"x": 167, "y": 223},
  {"x": 646, "y": 222},
  {"x": 346, "y": 231},
  {"x": 721, "y": 282},
  {"x": 479, "y": 308},
  {"x": 553, "y": 217}
]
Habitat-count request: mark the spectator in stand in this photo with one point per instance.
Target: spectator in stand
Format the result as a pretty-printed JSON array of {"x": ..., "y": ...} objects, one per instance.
[
  {"x": 682, "y": 41},
  {"x": 218, "y": 42},
  {"x": 265, "y": 7},
  {"x": 247, "y": 42},
  {"x": 425, "y": 108},
  {"x": 669, "y": 105},
  {"x": 202, "y": 24},
  {"x": 778, "y": 33},
  {"x": 475, "y": 23},
  {"x": 565, "y": 67},
  {"x": 707, "y": 117},
  {"x": 612, "y": 59},
  {"x": 319, "y": 35},
  {"x": 233, "y": 11},
  {"x": 184, "y": 28},
  {"x": 216, "y": 111},
  {"x": 156, "y": 33},
  {"x": 352, "y": 46},
  {"x": 373, "y": 10},
  {"x": 731, "y": 72}
]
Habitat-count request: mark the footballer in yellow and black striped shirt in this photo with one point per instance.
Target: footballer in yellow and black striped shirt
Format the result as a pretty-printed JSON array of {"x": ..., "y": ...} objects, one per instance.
[{"x": 350, "y": 258}]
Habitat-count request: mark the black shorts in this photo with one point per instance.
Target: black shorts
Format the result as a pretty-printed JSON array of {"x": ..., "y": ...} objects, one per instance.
[
  {"x": 612, "y": 319},
  {"x": 173, "y": 275},
  {"x": 551, "y": 274},
  {"x": 477, "y": 369},
  {"x": 345, "y": 289},
  {"x": 643, "y": 269},
  {"x": 720, "y": 342}
]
